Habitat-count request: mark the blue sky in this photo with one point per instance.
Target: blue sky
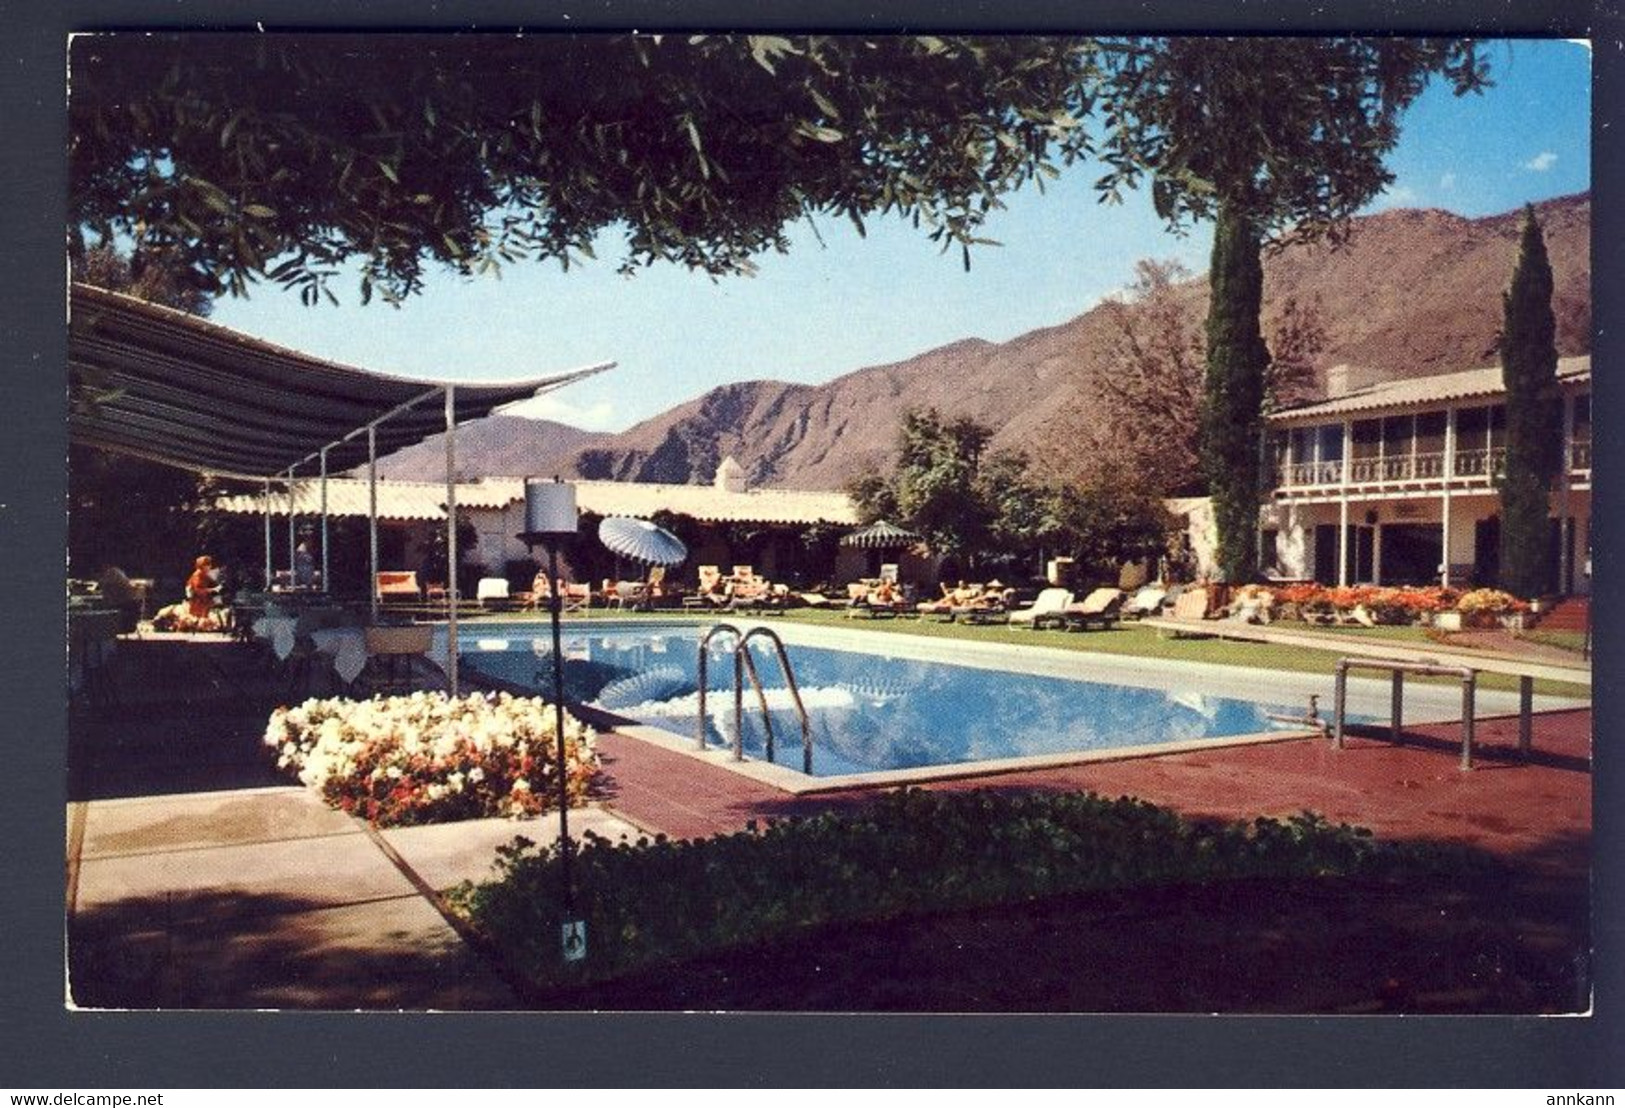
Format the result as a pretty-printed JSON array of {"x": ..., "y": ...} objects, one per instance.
[{"x": 825, "y": 310}]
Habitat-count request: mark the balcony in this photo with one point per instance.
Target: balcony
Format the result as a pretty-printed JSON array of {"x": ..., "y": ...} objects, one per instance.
[{"x": 1481, "y": 464}]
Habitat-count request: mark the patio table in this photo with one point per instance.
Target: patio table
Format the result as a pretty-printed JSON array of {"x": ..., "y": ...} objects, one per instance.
[{"x": 347, "y": 646}]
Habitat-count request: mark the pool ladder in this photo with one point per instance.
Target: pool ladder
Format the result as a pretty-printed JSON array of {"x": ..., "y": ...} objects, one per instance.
[{"x": 745, "y": 664}]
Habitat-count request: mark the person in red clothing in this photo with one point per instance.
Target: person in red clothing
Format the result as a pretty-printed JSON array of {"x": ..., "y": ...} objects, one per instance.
[{"x": 202, "y": 589}]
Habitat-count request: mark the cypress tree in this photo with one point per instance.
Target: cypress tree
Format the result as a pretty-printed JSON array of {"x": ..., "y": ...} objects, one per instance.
[
  {"x": 1233, "y": 399},
  {"x": 1534, "y": 447}
]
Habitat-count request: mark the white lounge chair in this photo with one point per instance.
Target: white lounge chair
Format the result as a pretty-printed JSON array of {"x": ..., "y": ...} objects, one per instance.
[
  {"x": 1099, "y": 609},
  {"x": 1046, "y": 608},
  {"x": 1146, "y": 602},
  {"x": 492, "y": 592}
]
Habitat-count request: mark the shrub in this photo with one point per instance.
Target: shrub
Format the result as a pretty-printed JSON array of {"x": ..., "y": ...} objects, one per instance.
[
  {"x": 429, "y": 758},
  {"x": 1490, "y": 601},
  {"x": 909, "y": 852}
]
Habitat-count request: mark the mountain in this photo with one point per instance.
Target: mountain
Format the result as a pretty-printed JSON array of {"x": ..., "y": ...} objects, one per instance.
[
  {"x": 1412, "y": 292},
  {"x": 496, "y": 446}
]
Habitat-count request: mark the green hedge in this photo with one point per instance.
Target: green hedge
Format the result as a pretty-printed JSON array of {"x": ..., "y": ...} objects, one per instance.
[{"x": 910, "y": 852}]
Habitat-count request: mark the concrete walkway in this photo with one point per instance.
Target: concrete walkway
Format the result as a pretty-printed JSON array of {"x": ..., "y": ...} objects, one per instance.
[
  {"x": 266, "y": 898},
  {"x": 1539, "y": 663}
]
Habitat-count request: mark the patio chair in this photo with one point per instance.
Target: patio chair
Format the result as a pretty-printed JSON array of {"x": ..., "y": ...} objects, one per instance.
[
  {"x": 1101, "y": 608},
  {"x": 575, "y": 598},
  {"x": 492, "y": 592},
  {"x": 1046, "y": 609},
  {"x": 390, "y": 652}
]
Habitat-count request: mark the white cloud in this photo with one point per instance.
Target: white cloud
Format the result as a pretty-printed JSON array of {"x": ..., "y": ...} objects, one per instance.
[
  {"x": 590, "y": 417},
  {"x": 1448, "y": 181},
  {"x": 1541, "y": 162},
  {"x": 1396, "y": 196}
]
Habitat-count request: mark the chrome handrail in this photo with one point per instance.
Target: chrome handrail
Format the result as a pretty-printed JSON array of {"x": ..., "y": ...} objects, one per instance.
[
  {"x": 744, "y": 664},
  {"x": 795, "y": 693}
]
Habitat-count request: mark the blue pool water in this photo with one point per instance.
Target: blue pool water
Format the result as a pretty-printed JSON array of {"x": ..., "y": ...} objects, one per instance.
[{"x": 869, "y": 711}]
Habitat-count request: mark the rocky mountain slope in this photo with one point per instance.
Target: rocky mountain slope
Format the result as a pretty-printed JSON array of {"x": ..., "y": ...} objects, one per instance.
[
  {"x": 1413, "y": 292},
  {"x": 497, "y": 446}
]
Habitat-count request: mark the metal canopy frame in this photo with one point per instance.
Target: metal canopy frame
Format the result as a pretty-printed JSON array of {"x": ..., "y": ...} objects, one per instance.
[{"x": 169, "y": 387}]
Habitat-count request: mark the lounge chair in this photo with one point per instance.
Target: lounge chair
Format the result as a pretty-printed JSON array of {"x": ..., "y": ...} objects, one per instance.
[
  {"x": 1146, "y": 602},
  {"x": 1101, "y": 608},
  {"x": 398, "y": 585},
  {"x": 492, "y": 592},
  {"x": 1046, "y": 609},
  {"x": 871, "y": 603},
  {"x": 951, "y": 601},
  {"x": 991, "y": 606}
]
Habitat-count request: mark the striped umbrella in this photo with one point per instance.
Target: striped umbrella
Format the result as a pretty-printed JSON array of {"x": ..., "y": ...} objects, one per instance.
[
  {"x": 880, "y": 535},
  {"x": 641, "y": 541}
]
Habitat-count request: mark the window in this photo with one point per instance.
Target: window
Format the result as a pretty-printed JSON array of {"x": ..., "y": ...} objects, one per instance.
[
  {"x": 1367, "y": 438},
  {"x": 1331, "y": 442},
  {"x": 1397, "y": 433},
  {"x": 1430, "y": 433}
]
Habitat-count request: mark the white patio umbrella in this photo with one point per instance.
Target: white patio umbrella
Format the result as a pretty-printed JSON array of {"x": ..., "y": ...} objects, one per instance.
[{"x": 641, "y": 541}]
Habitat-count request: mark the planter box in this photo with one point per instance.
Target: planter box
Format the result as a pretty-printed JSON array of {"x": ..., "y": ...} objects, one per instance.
[
  {"x": 1448, "y": 621},
  {"x": 1513, "y": 621}
]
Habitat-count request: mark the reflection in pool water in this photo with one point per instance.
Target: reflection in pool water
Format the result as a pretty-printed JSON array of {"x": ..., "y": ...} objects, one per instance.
[{"x": 869, "y": 711}]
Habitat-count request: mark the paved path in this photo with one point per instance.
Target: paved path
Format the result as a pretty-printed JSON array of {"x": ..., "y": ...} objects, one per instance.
[
  {"x": 1535, "y": 663},
  {"x": 266, "y": 898}
]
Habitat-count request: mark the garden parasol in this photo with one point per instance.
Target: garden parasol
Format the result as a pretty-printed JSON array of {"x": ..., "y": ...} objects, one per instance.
[
  {"x": 641, "y": 541},
  {"x": 880, "y": 535}
]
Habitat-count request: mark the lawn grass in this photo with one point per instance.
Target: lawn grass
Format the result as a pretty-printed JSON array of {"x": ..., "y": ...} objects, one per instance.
[
  {"x": 1126, "y": 639},
  {"x": 1573, "y": 641}
]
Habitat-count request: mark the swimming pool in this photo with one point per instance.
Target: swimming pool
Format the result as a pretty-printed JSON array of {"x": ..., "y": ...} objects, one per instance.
[{"x": 880, "y": 707}]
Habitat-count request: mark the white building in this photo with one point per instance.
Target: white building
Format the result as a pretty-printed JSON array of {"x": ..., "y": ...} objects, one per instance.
[{"x": 1393, "y": 482}]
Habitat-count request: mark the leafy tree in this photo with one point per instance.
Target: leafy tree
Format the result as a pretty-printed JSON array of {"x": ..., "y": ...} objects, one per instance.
[
  {"x": 1275, "y": 140},
  {"x": 289, "y": 156},
  {"x": 1024, "y": 523},
  {"x": 874, "y": 495},
  {"x": 1534, "y": 435},
  {"x": 1109, "y": 522},
  {"x": 146, "y": 277},
  {"x": 1150, "y": 389},
  {"x": 1233, "y": 397},
  {"x": 938, "y": 488}
]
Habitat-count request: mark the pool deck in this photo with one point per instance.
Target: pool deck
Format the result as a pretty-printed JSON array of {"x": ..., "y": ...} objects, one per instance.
[{"x": 1414, "y": 790}]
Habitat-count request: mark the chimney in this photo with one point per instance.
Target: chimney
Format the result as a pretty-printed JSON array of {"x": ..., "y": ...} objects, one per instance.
[
  {"x": 1341, "y": 380},
  {"x": 730, "y": 476}
]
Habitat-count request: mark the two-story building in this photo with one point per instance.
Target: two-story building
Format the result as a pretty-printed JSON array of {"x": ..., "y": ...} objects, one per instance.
[{"x": 1393, "y": 482}]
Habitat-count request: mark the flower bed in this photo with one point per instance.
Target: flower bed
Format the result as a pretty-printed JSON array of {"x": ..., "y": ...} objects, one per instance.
[
  {"x": 428, "y": 758},
  {"x": 1370, "y": 604}
]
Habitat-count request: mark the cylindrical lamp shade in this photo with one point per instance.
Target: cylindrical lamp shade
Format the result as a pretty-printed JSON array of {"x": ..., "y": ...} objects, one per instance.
[{"x": 550, "y": 507}]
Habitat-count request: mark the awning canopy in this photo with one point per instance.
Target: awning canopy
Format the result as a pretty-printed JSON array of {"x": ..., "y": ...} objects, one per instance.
[{"x": 171, "y": 387}]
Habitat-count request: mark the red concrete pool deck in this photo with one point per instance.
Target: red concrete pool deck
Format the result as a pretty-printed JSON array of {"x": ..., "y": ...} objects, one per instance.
[{"x": 1539, "y": 810}]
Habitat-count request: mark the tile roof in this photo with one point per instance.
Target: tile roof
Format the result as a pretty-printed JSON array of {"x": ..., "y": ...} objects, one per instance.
[
  {"x": 425, "y": 500},
  {"x": 1416, "y": 392}
]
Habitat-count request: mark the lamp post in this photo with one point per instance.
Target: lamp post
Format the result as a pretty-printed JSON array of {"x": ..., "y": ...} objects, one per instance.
[{"x": 550, "y": 515}]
